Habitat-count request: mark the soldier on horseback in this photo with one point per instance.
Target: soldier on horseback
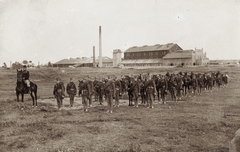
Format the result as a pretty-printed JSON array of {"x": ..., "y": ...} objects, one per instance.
[{"x": 25, "y": 77}]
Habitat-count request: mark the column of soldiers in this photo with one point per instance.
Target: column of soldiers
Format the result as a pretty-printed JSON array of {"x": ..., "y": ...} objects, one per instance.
[{"x": 146, "y": 88}]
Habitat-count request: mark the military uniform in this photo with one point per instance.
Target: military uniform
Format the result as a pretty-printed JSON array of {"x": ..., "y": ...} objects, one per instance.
[
  {"x": 225, "y": 79},
  {"x": 209, "y": 83},
  {"x": 163, "y": 85},
  {"x": 90, "y": 82},
  {"x": 71, "y": 91},
  {"x": 200, "y": 83},
  {"x": 194, "y": 83},
  {"x": 57, "y": 92},
  {"x": 25, "y": 78},
  {"x": 186, "y": 83},
  {"x": 118, "y": 87},
  {"x": 100, "y": 91},
  {"x": 135, "y": 87},
  {"x": 150, "y": 91},
  {"x": 142, "y": 91},
  {"x": 219, "y": 80},
  {"x": 95, "y": 82},
  {"x": 86, "y": 91},
  {"x": 179, "y": 86},
  {"x": 172, "y": 84},
  {"x": 63, "y": 89},
  {"x": 109, "y": 90}
]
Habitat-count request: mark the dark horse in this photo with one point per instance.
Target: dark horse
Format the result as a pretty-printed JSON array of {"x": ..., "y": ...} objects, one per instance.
[{"x": 21, "y": 89}]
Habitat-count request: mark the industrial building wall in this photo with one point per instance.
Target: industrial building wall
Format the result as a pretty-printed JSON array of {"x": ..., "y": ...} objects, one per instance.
[
  {"x": 145, "y": 55},
  {"x": 117, "y": 58},
  {"x": 178, "y": 62}
]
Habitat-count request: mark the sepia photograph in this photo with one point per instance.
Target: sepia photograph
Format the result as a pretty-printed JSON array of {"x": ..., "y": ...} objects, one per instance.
[{"x": 120, "y": 75}]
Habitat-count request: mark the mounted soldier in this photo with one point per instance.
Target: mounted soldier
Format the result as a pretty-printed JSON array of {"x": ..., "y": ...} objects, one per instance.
[
  {"x": 24, "y": 86},
  {"x": 25, "y": 77}
]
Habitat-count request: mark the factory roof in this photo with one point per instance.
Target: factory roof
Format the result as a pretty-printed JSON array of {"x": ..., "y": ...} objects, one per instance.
[
  {"x": 146, "y": 48},
  {"x": 72, "y": 61}
]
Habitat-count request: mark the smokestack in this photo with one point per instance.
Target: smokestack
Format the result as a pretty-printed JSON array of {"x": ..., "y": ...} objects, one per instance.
[
  {"x": 94, "y": 65},
  {"x": 100, "y": 48}
]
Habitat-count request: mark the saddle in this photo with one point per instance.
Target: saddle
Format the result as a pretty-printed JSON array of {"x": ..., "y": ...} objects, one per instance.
[{"x": 26, "y": 89}]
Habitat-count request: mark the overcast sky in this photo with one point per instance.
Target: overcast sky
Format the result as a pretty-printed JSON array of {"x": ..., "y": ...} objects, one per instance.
[{"x": 51, "y": 30}]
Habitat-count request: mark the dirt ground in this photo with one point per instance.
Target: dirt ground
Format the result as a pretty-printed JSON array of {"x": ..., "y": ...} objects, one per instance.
[{"x": 202, "y": 123}]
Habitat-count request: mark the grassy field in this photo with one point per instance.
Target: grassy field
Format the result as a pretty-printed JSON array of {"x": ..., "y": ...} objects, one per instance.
[{"x": 204, "y": 123}]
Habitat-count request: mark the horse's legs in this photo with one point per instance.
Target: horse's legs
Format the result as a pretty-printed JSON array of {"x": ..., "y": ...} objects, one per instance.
[
  {"x": 22, "y": 100},
  {"x": 17, "y": 94},
  {"x": 158, "y": 94},
  {"x": 32, "y": 98},
  {"x": 185, "y": 90},
  {"x": 129, "y": 99},
  {"x": 35, "y": 94}
]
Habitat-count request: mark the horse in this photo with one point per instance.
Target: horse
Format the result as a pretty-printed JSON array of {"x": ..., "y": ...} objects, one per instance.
[{"x": 21, "y": 89}]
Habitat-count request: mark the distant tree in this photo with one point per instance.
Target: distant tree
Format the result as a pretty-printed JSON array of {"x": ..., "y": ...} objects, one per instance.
[
  {"x": 49, "y": 64},
  {"x": 25, "y": 62},
  {"x": 4, "y": 65},
  {"x": 16, "y": 65}
]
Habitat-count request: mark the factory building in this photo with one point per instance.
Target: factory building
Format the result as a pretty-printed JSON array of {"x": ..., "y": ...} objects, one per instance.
[
  {"x": 84, "y": 62},
  {"x": 163, "y": 55},
  {"x": 150, "y": 52}
]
